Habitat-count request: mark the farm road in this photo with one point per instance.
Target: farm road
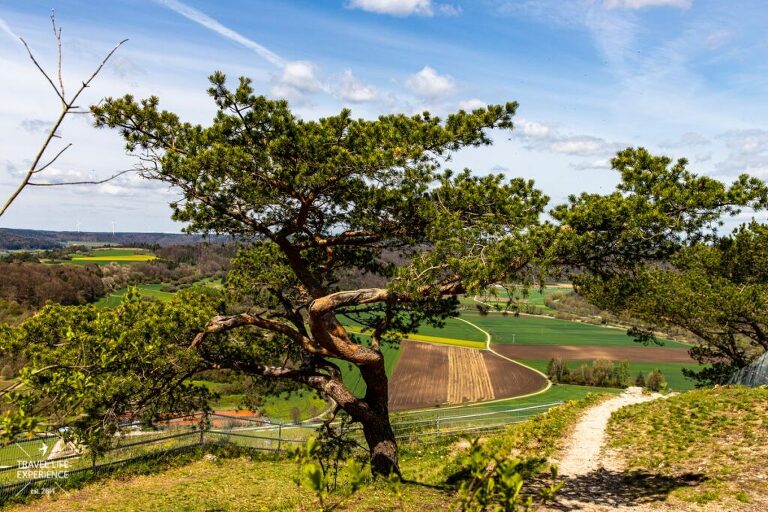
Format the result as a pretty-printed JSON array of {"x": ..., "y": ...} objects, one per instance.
[{"x": 594, "y": 481}]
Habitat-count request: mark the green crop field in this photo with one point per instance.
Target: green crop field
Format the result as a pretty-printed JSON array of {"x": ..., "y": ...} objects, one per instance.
[
  {"x": 453, "y": 329},
  {"x": 152, "y": 291},
  {"x": 351, "y": 375},
  {"x": 147, "y": 290},
  {"x": 534, "y": 330},
  {"x": 440, "y": 340},
  {"x": 673, "y": 372},
  {"x": 120, "y": 256}
]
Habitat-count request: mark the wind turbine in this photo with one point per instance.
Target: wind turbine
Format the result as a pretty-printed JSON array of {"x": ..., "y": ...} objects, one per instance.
[
  {"x": 113, "y": 228},
  {"x": 77, "y": 226}
]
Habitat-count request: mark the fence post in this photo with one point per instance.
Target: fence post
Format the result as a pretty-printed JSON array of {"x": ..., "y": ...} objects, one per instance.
[
  {"x": 437, "y": 425},
  {"x": 203, "y": 423},
  {"x": 279, "y": 437}
]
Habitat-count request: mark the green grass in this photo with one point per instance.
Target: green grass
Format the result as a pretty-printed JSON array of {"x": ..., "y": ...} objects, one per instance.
[
  {"x": 455, "y": 329},
  {"x": 264, "y": 482},
  {"x": 534, "y": 330},
  {"x": 256, "y": 483},
  {"x": 672, "y": 371},
  {"x": 719, "y": 435},
  {"x": 280, "y": 408},
  {"x": 24, "y": 450},
  {"x": 147, "y": 290},
  {"x": 351, "y": 375},
  {"x": 557, "y": 393}
]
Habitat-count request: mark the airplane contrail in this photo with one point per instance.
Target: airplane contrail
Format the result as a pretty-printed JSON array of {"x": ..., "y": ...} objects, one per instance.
[
  {"x": 206, "y": 21},
  {"x": 5, "y": 28}
]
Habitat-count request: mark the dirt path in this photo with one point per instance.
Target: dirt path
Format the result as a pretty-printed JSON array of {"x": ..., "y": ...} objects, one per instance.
[{"x": 593, "y": 477}]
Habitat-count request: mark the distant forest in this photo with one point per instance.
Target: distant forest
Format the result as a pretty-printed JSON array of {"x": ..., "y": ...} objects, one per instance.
[
  {"x": 29, "y": 284},
  {"x": 31, "y": 239}
]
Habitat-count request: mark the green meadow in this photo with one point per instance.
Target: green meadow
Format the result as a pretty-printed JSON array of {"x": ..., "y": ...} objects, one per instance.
[
  {"x": 536, "y": 330},
  {"x": 146, "y": 290}
]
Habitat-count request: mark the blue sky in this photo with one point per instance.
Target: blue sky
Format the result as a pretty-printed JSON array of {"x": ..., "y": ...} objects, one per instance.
[{"x": 681, "y": 77}]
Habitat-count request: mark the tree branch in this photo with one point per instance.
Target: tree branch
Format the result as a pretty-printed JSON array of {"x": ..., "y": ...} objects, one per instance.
[
  {"x": 67, "y": 183},
  {"x": 220, "y": 324}
]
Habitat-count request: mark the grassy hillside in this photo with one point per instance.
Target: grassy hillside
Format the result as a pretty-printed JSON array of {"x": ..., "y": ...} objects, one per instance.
[
  {"x": 266, "y": 483},
  {"x": 716, "y": 437},
  {"x": 146, "y": 290}
]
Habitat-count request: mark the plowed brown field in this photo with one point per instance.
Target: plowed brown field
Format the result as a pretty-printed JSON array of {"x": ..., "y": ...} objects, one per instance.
[
  {"x": 420, "y": 378},
  {"x": 511, "y": 379},
  {"x": 429, "y": 375},
  {"x": 590, "y": 353},
  {"x": 468, "y": 379}
]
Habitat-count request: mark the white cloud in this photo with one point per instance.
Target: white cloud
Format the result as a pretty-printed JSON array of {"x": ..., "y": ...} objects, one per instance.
[
  {"x": 603, "y": 163},
  {"x": 687, "y": 140},
  {"x": 694, "y": 139},
  {"x": 300, "y": 75},
  {"x": 394, "y": 7},
  {"x": 36, "y": 125},
  {"x": 581, "y": 145},
  {"x": 546, "y": 137},
  {"x": 206, "y": 21},
  {"x": 748, "y": 151},
  {"x": 531, "y": 129},
  {"x": 351, "y": 88},
  {"x": 717, "y": 38},
  {"x": 641, "y": 4},
  {"x": 472, "y": 104},
  {"x": 429, "y": 84},
  {"x": 405, "y": 7}
]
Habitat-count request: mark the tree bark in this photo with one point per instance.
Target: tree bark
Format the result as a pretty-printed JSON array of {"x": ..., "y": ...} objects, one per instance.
[
  {"x": 376, "y": 426},
  {"x": 381, "y": 444}
]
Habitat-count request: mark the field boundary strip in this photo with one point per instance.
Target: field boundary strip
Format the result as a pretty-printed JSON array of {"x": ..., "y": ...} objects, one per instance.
[{"x": 428, "y": 339}]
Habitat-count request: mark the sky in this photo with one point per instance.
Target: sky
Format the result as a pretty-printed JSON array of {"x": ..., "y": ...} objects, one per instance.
[{"x": 684, "y": 78}]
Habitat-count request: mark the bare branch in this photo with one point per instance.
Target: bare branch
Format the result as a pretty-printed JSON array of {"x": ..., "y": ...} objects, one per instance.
[
  {"x": 50, "y": 162},
  {"x": 67, "y": 108},
  {"x": 47, "y": 77},
  {"x": 57, "y": 35},
  {"x": 98, "y": 69},
  {"x": 68, "y": 183}
]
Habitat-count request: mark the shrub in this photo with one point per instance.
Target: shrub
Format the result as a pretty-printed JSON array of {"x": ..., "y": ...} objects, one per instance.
[
  {"x": 640, "y": 379},
  {"x": 656, "y": 381},
  {"x": 557, "y": 370},
  {"x": 602, "y": 371}
]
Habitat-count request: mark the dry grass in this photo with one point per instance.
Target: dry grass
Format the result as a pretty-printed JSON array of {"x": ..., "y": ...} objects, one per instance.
[
  {"x": 237, "y": 484},
  {"x": 719, "y": 435}
]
